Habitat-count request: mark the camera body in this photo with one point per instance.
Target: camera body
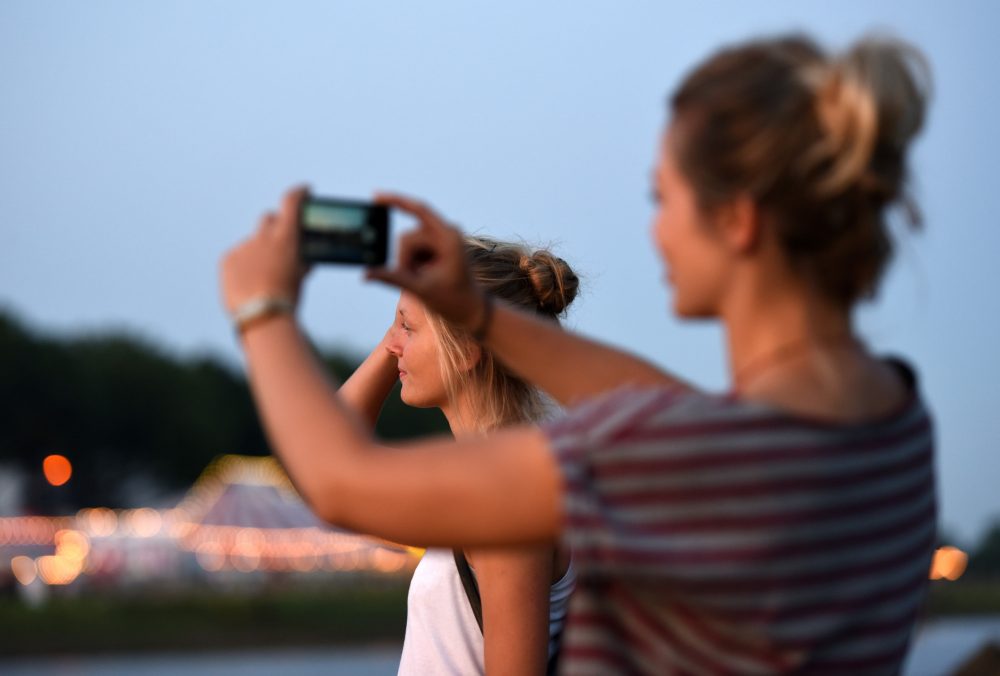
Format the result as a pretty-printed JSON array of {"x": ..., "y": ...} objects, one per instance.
[{"x": 343, "y": 231}]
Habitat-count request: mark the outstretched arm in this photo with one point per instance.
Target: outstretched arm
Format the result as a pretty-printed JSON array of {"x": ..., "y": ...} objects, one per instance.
[
  {"x": 504, "y": 489},
  {"x": 501, "y": 490},
  {"x": 567, "y": 366}
]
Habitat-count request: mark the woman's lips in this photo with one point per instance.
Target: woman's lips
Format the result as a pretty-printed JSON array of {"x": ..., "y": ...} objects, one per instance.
[{"x": 402, "y": 373}]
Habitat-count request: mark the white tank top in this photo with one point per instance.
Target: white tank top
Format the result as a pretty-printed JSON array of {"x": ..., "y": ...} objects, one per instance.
[{"x": 442, "y": 636}]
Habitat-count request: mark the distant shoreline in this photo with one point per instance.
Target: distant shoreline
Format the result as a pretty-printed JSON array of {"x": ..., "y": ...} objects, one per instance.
[
  {"x": 207, "y": 623},
  {"x": 372, "y": 616}
]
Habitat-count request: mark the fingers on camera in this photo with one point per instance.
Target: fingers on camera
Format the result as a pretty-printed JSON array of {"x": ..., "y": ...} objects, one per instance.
[
  {"x": 420, "y": 210},
  {"x": 267, "y": 222}
]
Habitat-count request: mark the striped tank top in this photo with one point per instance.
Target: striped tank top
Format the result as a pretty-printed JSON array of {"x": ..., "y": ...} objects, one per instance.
[{"x": 714, "y": 535}]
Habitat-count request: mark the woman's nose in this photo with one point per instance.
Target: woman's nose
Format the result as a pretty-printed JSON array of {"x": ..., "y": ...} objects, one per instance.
[{"x": 394, "y": 345}]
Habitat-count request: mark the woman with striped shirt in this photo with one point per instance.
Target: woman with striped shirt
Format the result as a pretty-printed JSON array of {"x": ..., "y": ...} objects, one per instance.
[{"x": 783, "y": 526}]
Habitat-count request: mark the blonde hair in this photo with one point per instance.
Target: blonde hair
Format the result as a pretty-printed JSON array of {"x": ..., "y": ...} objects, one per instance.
[
  {"x": 538, "y": 281},
  {"x": 819, "y": 142}
]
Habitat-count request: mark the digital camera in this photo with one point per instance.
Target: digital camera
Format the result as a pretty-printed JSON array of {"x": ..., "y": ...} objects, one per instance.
[{"x": 343, "y": 231}]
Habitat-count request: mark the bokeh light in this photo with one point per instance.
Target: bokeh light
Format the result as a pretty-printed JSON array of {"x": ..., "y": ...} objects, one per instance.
[
  {"x": 57, "y": 469},
  {"x": 949, "y": 563},
  {"x": 99, "y": 521},
  {"x": 58, "y": 570},
  {"x": 24, "y": 569},
  {"x": 72, "y": 545},
  {"x": 145, "y": 522}
]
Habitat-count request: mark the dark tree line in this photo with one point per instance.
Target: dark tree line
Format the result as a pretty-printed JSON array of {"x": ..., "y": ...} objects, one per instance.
[
  {"x": 119, "y": 406},
  {"x": 984, "y": 560}
]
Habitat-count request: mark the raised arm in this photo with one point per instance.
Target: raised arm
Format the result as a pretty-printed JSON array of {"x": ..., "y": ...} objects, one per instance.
[
  {"x": 367, "y": 388},
  {"x": 500, "y": 490},
  {"x": 496, "y": 491},
  {"x": 566, "y": 365}
]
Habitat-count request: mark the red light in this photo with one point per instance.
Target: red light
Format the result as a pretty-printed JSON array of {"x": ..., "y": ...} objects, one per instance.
[{"x": 57, "y": 469}]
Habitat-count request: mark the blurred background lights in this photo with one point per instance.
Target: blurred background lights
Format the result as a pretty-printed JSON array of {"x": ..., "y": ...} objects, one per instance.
[
  {"x": 58, "y": 570},
  {"x": 948, "y": 564},
  {"x": 57, "y": 469},
  {"x": 24, "y": 569},
  {"x": 72, "y": 545},
  {"x": 241, "y": 516},
  {"x": 145, "y": 522},
  {"x": 99, "y": 521}
]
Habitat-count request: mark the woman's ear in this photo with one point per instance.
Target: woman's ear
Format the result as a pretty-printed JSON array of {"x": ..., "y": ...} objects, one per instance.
[
  {"x": 472, "y": 353},
  {"x": 740, "y": 222}
]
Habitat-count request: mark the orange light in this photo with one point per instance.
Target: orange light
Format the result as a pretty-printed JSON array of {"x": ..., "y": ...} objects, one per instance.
[
  {"x": 949, "y": 563},
  {"x": 72, "y": 545},
  {"x": 24, "y": 569},
  {"x": 58, "y": 570},
  {"x": 57, "y": 469}
]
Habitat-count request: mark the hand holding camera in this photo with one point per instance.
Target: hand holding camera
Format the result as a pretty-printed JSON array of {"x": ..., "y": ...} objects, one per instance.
[
  {"x": 263, "y": 274},
  {"x": 431, "y": 261},
  {"x": 431, "y": 265}
]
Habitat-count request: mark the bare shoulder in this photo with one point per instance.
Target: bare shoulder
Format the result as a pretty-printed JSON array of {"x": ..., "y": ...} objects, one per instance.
[
  {"x": 888, "y": 387},
  {"x": 869, "y": 389},
  {"x": 851, "y": 389}
]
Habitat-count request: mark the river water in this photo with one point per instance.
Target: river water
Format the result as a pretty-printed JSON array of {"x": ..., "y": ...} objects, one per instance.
[{"x": 939, "y": 648}]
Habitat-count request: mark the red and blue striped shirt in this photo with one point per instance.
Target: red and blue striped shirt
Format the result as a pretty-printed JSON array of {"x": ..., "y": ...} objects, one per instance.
[{"x": 714, "y": 535}]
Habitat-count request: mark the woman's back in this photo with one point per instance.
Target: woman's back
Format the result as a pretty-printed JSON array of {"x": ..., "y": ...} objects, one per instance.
[{"x": 717, "y": 534}]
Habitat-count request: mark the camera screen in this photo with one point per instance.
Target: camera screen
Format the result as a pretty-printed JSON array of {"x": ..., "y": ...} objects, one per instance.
[
  {"x": 334, "y": 217},
  {"x": 343, "y": 231}
]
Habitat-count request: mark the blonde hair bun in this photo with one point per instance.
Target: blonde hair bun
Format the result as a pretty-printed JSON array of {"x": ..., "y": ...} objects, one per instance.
[
  {"x": 554, "y": 282},
  {"x": 529, "y": 279},
  {"x": 534, "y": 280},
  {"x": 871, "y": 103}
]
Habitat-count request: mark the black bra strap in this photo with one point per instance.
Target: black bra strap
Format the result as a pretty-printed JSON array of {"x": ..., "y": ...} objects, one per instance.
[
  {"x": 476, "y": 601},
  {"x": 471, "y": 588}
]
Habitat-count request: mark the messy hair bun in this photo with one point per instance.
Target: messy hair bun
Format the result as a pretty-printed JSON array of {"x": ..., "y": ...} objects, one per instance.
[
  {"x": 553, "y": 281},
  {"x": 819, "y": 142},
  {"x": 870, "y": 103},
  {"x": 538, "y": 281},
  {"x": 534, "y": 280}
]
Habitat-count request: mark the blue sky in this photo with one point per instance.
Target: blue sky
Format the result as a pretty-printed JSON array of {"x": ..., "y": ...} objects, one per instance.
[{"x": 139, "y": 140}]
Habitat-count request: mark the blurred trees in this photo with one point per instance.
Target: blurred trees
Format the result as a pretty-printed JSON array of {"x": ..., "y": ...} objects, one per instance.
[
  {"x": 984, "y": 554},
  {"x": 985, "y": 560},
  {"x": 124, "y": 412}
]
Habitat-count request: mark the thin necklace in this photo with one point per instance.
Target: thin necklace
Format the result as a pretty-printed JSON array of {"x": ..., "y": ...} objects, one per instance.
[{"x": 783, "y": 353}]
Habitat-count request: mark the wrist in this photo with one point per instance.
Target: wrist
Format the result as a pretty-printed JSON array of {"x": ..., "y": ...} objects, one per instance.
[
  {"x": 481, "y": 327},
  {"x": 258, "y": 310}
]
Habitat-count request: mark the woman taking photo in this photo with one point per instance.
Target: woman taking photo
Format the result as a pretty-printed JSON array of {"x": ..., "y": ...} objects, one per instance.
[
  {"x": 522, "y": 593},
  {"x": 783, "y": 526}
]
